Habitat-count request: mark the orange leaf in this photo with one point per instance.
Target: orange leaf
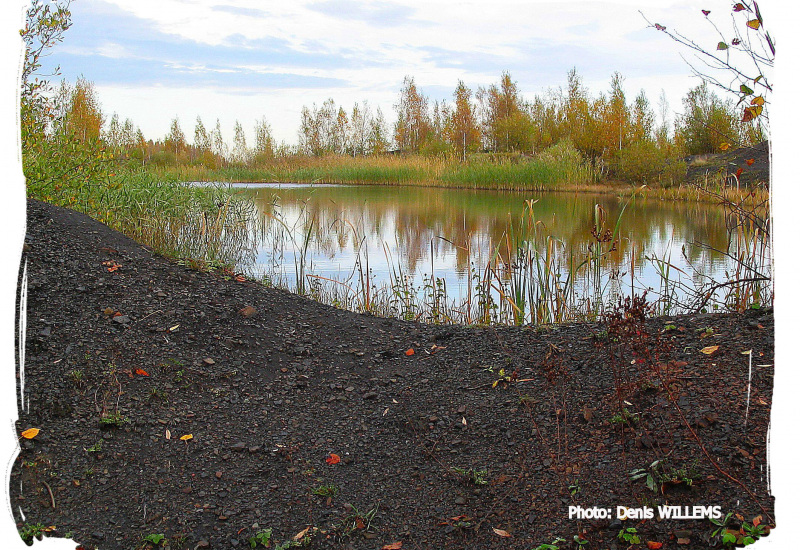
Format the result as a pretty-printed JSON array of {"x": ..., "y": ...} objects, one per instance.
[
  {"x": 333, "y": 458},
  {"x": 724, "y": 146},
  {"x": 141, "y": 372},
  {"x": 757, "y": 521},
  {"x": 754, "y": 24},
  {"x": 709, "y": 350},
  {"x": 410, "y": 351},
  {"x": 750, "y": 162},
  {"x": 360, "y": 523},
  {"x": 739, "y": 172},
  {"x": 500, "y": 532},
  {"x": 654, "y": 545},
  {"x": 758, "y": 100},
  {"x": 394, "y": 546},
  {"x": 30, "y": 433},
  {"x": 186, "y": 437}
]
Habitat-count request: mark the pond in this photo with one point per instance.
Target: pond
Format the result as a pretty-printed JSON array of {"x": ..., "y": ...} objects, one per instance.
[{"x": 488, "y": 256}]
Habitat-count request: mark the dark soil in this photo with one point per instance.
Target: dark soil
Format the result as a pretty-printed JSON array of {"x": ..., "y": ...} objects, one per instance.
[
  {"x": 269, "y": 384},
  {"x": 753, "y": 161}
]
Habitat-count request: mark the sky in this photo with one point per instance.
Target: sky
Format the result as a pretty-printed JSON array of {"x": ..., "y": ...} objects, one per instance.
[{"x": 154, "y": 60}]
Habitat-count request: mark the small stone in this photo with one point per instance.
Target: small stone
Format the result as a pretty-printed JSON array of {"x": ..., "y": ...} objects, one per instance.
[
  {"x": 98, "y": 535},
  {"x": 460, "y": 500},
  {"x": 209, "y": 361},
  {"x": 121, "y": 319},
  {"x": 239, "y": 446},
  {"x": 370, "y": 395},
  {"x": 202, "y": 544},
  {"x": 218, "y": 475},
  {"x": 187, "y": 490}
]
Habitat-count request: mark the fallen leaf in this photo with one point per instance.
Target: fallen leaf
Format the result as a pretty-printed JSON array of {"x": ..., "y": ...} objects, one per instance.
[
  {"x": 301, "y": 534},
  {"x": 748, "y": 352},
  {"x": 247, "y": 311},
  {"x": 464, "y": 420},
  {"x": 709, "y": 350},
  {"x": 333, "y": 458},
  {"x": 724, "y": 146},
  {"x": 750, "y": 162},
  {"x": 757, "y": 521},
  {"x": 739, "y": 172},
  {"x": 168, "y": 434},
  {"x": 410, "y": 351},
  {"x": 30, "y": 433},
  {"x": 360, "y": 523},
  {"x": 683, "y": 541},
  {"x": 186, "y": 437},
  {"x": 654, "y": 545},
  {"x": 500, "y": 532},
  {"x": 141, "y": 372},
  {"x": 240, "y": 278},
  {"x": 173, "y": 329},
  {"x": 394, "y": 546}
]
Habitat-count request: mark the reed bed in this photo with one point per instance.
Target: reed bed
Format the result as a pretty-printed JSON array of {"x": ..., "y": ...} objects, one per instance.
[
  {"x": 531, "y": 277},
  {"x": 203, "y": 226}
]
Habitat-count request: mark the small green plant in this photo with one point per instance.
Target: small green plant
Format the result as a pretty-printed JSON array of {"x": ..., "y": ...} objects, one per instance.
[
  {"x": 155, "y": 539},
  {"x": 628, "y": 534},
  {"x": 96, "y": 448},
  {"x": 706, "y": 331},
  {"x": 552, "y": 546},
  {"x": 625, "y": 417},
  {"x": 113, "y": 419},
  {"x": 327, "y": 491},
  {"x": 580, "y": 541},
  {"x": 261, "y": 538},
  {"x": 574, "y": 489},
  {"x": 77, "y": 377},
  {"x": 745, "y": 535},
  {"x": 356, "y": 520},
  {"x": 501, "y": 375},
  {"x": 29, "y": 532},
  {"x": 156, "y": 393},
  {"x": 650, "y": 474},
  {"x": 478, "y": 477},
  {"x": 179, "y": 375},
  {"x": 669, "y": 327}
]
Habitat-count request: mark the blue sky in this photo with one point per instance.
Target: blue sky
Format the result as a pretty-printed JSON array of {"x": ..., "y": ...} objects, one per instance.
[{"x": 153, "y": 60}]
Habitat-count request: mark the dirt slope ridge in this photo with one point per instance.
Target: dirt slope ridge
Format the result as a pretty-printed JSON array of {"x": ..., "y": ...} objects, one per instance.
[{"x": 444, "y": 457}]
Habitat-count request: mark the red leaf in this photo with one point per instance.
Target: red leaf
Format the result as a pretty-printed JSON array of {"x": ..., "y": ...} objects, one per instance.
[
  {"x": 739, "y": 172},
  {"x": 394, "y": 546},
  {"x": 654, "y": 545},
  {"x": 750, "y": 162},
  {"x": 141, "y": 372},
  {"x": 333, "y": 459},
  {"x": 739, "y": 7},
  {"x": 410, "y": 351}
]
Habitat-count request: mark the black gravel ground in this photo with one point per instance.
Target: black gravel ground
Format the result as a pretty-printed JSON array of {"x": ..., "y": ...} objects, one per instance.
[{"x": 482, "y": 438}]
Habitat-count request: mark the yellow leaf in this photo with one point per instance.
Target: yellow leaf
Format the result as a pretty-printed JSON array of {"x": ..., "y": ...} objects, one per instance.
[
  {"x": 186, "y": 437},
  {"x": 724, "y": 146},
  {"x": 709, "y": 350},
  {"x": 754, "y": 24},
  {"x": 30, "y": 433},
  {"x": 757, "y": 100},
  {"x": 500, "y": 532}
]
